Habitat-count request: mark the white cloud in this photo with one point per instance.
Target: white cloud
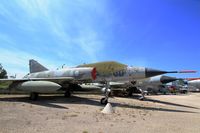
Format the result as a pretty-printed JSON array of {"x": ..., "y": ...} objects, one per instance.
[
  {"x": 15, "y": 60},
  {"x": 71, "y": 34},
  {"x": 88, "y": 42},
  {"x": 35, "y": 8},
  {"x": 60, "y": 16}
]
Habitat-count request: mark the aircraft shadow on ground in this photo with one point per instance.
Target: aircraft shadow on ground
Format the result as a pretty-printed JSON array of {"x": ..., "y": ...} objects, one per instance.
[
  {"x": 52, "y": 101},
  {"x": 169, "y": 103},
  {"x": 151, "y": 108},
  {"x": 163, "y": 102}
]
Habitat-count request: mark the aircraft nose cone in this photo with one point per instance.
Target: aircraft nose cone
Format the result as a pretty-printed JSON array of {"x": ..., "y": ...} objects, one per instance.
[
  {"x": 149, "y": 72},
  {"x": 167, "y": 79}
]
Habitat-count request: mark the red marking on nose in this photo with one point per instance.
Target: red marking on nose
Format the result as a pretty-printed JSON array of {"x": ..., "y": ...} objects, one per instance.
[{"x": 94, "y": 73}]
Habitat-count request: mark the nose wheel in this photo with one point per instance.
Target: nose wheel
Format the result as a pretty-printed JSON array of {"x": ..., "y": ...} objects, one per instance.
[{"x": 104, "y": 100}]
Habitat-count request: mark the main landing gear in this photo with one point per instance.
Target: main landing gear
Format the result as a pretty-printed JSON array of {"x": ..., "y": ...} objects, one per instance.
[
  {"x": 33, "y": 96},
  {"x": 67, "y": 93},
  {"x": 142, "y": 93}
]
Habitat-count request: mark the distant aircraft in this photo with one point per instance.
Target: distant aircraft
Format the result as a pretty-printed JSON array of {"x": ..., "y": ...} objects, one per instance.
[
  {"x": 153, "y": 84},
  {"x": 178, "y": 86},
  {"x": 123, "y": 74},
  {"x": 42, "y": 80},
  {"x": 193, "y": 83}
]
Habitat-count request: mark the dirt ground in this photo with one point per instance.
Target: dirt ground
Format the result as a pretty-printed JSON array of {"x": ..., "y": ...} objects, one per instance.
[{"x": 82, "y": 114}]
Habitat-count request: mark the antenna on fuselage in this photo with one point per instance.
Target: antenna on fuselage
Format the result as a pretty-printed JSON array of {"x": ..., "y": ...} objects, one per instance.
[{"x": 63, "y": 65}]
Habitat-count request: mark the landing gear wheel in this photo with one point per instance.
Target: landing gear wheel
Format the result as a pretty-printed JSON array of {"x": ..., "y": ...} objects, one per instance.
[
  {"x": 129, "y": 92},
  {"x": 141, "y": 98},
  {"x": 142, "y": 93},
  {"x": 33, "y": 96},
  {"x": 104, "y": 101},
  {"x": 67, "y": 93}
]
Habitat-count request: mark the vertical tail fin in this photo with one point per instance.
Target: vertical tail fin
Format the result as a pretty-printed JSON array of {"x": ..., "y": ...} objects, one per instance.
[{"x": 34, "y": 66}]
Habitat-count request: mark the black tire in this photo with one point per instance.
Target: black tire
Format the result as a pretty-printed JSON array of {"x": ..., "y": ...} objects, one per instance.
[
  {"x": 67, "y": 93},
  {"x": 141, "y": 98},
  {"x": 104, "y": 101},
  {"x": 129, "y": 92},
  {"x": 33, "y": 96}
]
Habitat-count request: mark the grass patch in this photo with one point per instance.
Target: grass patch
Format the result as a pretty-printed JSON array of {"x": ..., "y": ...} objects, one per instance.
[{"x": 4, "y": 85}]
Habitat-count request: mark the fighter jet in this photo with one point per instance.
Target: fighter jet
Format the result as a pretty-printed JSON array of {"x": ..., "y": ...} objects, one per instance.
[
  {"x": 153, "y": 84},
  {"x": 42, "y": 80},
  {"x": 193, "y": 84},
  {"x": 120, "y": 73}
]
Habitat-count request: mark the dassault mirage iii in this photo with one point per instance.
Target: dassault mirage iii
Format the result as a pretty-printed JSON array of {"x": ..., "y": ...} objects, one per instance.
[
  {"x": 120, "y": 73},
  {"x": 42, "y": 80}
]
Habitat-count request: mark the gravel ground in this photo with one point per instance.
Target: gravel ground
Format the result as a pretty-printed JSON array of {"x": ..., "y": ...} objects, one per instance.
[{"x": 82, "y": 114}]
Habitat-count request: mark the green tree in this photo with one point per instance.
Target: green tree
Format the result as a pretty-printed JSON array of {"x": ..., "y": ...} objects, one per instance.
[{"x": 3, "y": 73}]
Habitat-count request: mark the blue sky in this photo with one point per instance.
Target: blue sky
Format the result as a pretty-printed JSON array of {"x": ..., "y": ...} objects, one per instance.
[{"x": 162, "y": 34}]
